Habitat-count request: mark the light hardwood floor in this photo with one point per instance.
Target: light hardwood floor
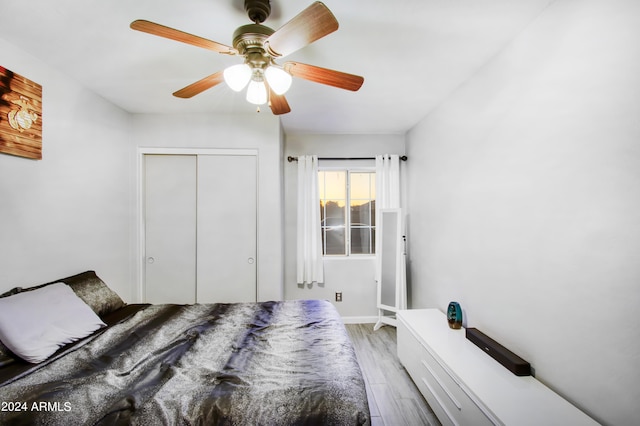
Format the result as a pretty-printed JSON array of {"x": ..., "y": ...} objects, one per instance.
[{"x": 394, "y": 400}]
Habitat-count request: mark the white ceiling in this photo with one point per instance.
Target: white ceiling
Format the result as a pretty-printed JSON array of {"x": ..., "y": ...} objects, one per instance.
[{"x": 412, "y": 54}]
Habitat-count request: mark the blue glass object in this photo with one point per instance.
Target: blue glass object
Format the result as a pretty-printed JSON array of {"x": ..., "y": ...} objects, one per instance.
[{"x": 454, "y": 315}]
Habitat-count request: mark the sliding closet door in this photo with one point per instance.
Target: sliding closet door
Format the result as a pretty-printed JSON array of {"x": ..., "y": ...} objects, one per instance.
[
  {"x": 170, "y": 232},
  {"x": 227, "y": 216}
]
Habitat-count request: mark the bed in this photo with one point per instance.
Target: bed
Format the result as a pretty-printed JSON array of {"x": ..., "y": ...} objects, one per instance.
[{"x": 287, "y": 362}]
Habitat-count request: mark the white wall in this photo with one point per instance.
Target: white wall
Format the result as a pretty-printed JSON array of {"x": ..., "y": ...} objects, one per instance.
[
  {"x": 525, "y": 206},
  {"x": 70, "y": 211},
  {"x": 251, "y": 131},
  {"x": 354, "y": 277},
  {"x": 76, "y": 209}
]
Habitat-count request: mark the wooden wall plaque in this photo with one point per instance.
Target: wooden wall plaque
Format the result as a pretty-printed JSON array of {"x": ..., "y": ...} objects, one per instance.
[{"x": 20, "y": 115}]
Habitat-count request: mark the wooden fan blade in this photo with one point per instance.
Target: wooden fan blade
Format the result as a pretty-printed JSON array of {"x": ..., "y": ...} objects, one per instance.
[
  {"x": 278, "y": 103},
  {"x": 200, "y": 85},
  {"x": 338, "y": 79},
  {"x": 177, "y": 35},
  {"x": 313, "y": 23}
]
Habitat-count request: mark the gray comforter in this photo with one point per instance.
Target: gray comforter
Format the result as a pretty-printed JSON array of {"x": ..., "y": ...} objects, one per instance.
[{"x": 272, "y": 363}]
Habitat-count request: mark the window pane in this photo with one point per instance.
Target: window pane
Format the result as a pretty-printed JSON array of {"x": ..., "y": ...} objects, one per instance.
[
  {"x": 333, "y": 226},
  {"x": 334, "y": 241},
  {"x": 333, "y": 195},
  {"x": 361, "y": 197},
  {"x": 333, "y": 184},
  {"x": 334, "y": 212},
  {"x": 361, "y": 185},
  {"x": 333, "y": 235},
  {"x": 373, "y": 186},
  {"x": 360, "y": 213},
  {"x": 361, "y": 241}
]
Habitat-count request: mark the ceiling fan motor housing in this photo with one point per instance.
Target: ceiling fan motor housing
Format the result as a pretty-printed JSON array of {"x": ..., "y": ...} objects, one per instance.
[
  {"x": 258, "y": 10},
  {"x": 248, "y": 40}
]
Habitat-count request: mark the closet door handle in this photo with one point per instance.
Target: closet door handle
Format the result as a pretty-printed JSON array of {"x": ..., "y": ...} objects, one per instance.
[
  {"x": 251, "y": 260},
  {"x": 150, "y": 260}
]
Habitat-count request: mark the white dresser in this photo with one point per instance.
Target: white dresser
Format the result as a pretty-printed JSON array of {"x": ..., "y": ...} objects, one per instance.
[{"x": 465, "y": 386}]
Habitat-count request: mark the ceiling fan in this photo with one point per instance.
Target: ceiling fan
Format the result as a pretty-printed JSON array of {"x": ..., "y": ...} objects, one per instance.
[{"x": 260, "y": 46}]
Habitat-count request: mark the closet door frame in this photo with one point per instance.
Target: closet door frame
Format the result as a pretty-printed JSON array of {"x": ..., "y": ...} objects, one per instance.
[{"x": 141, "y": 243}]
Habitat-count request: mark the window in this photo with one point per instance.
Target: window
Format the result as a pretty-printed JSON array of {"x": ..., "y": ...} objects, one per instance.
[{"x": 347, "y": 231}]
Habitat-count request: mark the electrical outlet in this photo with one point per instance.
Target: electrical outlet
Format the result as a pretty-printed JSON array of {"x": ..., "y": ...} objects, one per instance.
[{"x": 339, "y": 296}]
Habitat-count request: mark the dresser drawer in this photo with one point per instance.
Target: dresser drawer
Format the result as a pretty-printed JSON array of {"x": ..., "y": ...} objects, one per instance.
[{"x": 452, "y": 404}]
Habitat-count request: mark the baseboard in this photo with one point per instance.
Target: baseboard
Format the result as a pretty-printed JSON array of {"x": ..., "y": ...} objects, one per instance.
[{"x": 360, "y": 320}]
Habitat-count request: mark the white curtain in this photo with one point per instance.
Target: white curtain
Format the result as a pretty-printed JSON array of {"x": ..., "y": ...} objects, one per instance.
[
  {"x": 387, "y": 181},
  {"x": 309, "y": 256}
]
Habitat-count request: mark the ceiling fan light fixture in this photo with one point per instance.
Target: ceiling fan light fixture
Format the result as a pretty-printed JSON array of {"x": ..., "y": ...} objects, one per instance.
[
  {"x": 279, "y": 80},
  {"x": 237, "y": 76},
  {"x": 257, "y": 92}
]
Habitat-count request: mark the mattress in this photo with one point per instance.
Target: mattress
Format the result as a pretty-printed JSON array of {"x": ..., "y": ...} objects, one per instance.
[{"x": 271, "y": 363}]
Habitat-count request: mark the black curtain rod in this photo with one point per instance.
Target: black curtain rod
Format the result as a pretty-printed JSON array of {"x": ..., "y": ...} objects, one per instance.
[{"x": 290, "y": 158}]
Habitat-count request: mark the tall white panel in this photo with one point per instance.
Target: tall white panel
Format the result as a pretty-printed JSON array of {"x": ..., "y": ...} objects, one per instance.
[
  {"x": 170, "y": 232},
  {"x": 227, "y": 228}
]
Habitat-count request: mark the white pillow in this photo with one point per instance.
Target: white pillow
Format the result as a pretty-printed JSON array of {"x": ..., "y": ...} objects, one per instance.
[{"x": 34, "y": 324}]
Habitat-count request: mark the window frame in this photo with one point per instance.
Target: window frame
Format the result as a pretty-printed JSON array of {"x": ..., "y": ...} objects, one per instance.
[{"x": 349, "y": 169}]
